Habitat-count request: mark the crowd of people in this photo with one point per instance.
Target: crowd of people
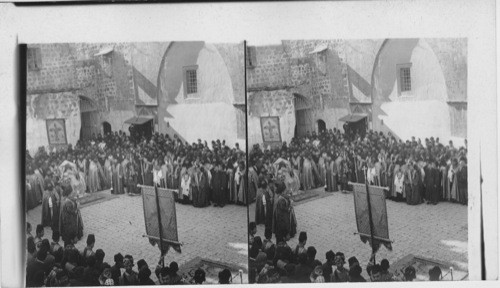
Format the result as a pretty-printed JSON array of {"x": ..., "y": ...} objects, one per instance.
[
  {"x": 200, "y": 175},
  {"x": 52, "y": 264},
  {"x": 411, "y": 171},
  {"x": 279, "y": 263}
]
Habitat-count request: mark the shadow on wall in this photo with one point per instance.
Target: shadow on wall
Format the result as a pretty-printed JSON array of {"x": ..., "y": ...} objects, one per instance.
[
  {"x": 385, "y": 66},
  {"x": 359, "y": 82},
  {"x": 171, "y": 76},
  {"x": 147, "y": 86},
  {"x": 120, "y": 75}
]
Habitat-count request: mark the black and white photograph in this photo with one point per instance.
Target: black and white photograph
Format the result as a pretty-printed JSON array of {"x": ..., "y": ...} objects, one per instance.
[
  {"x": 127, "y": 144},
  {"x": 387, "y": 116},
  {"x": 335, "y": 143}
]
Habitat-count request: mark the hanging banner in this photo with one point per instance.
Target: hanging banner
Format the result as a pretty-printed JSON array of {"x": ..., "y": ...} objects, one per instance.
[
  {"x": 166, "y": 212},
  {"x": 270, "y": 127},
  {"x": 379, "y": 215}
]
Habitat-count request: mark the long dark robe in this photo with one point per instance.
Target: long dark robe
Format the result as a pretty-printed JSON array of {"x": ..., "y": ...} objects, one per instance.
[
  {"x": 51, "y": 218},
  {"x": 195, "y": 188},
  {"x": 148, "y": 174},
  {"x": 218, "y": 189},
  {"x": 203, "y": 200},
  {"x": 462, "y": 185},
  {"x": 260, "y": 214},
  {"x": 284, "y": 218},
  {"x": 231, "y": 186},
  {"x": 70, "y": 220},
  {"x": 412, "y": 187},
  {"x": 433, "y": 184}
]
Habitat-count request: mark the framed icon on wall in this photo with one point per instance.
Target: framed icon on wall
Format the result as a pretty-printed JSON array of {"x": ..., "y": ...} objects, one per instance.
[
  {"x": 56, "y": 131},
  {"x": 270, "y": 127}
]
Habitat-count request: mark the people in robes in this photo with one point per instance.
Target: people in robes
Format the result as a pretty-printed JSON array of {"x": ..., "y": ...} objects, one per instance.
[
  {"x": 412, "y": 185},
  {"x": 240, "y": 183},
  {"x": 432, "y": 183},
  {"x": 462, "y": 182},
  {"x": 94, "y": 184},
  {"x": 70, "y": 220},
  {"x": 452, "y": 182},
  {"x": 284, "y": 218},
  {"x": 117, "y": 177},
  {"x": 50, "y": 206}
]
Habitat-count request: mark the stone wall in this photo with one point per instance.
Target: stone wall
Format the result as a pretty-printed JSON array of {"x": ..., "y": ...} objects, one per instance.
[
  {"x": 73, "y": 70},
  {"x": 40, "y": 107},
  {"x": 270, "y": 103}
]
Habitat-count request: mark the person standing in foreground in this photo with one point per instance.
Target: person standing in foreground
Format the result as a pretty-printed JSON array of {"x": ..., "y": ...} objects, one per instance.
[{"x": 70, "y": 223}]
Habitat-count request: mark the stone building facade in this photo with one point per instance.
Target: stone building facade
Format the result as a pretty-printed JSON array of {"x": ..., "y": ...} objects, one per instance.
[
  {"x": 312, "y": 84},
  {"x": 98, "y": 87}
]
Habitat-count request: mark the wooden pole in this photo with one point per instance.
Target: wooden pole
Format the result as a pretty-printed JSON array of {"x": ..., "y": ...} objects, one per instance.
[
  {"x": 370, "y": 214},
  {"x": 159, "y": 220}
]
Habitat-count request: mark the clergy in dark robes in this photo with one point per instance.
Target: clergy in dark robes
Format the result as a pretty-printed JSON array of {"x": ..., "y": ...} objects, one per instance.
[
  {"x": 50, "y": 207},
  {"x": 283, "y": 219},
  {"x": 432, "y": 183},
  {"x": 70, "y": 220},
  {"x": 218, "y": 182},
  {"x": 462, "y": 183},
  {"x": 412, "y": 185}
]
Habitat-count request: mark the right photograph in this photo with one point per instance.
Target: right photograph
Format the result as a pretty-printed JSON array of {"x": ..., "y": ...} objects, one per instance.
[{"x": 357, "y": 159}]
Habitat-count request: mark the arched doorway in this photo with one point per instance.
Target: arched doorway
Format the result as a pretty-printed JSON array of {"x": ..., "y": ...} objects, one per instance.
[
  {"x": 321, "y": 126},
  {"x": 106, "y": 128}
]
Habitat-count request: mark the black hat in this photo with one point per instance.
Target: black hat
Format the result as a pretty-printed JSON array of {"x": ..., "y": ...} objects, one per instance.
[
  {"x": 352, "y": 261},
  {"x": 90, "y": 239}
]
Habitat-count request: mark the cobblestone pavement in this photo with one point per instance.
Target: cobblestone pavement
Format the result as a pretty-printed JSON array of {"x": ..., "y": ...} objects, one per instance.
[
  {"x": 438, "y": 231},
  {"x": 218, "y": 234}
]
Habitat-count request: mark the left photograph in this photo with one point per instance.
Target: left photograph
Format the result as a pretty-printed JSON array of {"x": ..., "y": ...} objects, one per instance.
[{"x": 135, "y": 164}]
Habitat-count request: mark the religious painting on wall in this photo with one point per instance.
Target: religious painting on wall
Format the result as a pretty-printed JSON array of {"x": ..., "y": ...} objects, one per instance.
[
  {"x": 56, "y": 132},
  {"x": 270, "y": 127}
]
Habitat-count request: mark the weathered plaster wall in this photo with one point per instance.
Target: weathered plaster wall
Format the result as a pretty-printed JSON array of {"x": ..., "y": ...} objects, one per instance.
[
  {"x": 210, "y": 113},
  {"x": 270, "y": 103},
  {"x": 40, "y": 107},
  {"x": 147, "y": 61},
  {"x": 74, "y": 70},
  {"x": 233, "y": 56},
  {"x": 425, "y": 106},
  {"x": 360, "y": 57}
]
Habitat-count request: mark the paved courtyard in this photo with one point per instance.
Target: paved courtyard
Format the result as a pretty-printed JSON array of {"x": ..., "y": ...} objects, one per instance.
[
  {"x": 217, "y": 234},
  {"x": 438, "y": 232}
]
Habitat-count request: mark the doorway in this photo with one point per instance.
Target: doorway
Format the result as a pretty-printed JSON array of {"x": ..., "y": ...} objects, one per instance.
[
  {"x": 321, "y": 126},
  {"x": 303, "y": 116},
  {"x": 106, "y": 128}
]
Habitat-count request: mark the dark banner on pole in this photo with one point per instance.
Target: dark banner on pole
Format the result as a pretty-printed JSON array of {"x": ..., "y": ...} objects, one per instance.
[
  {"x": 167, "y": 214},
  {"x": 379, "y": 215}
]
